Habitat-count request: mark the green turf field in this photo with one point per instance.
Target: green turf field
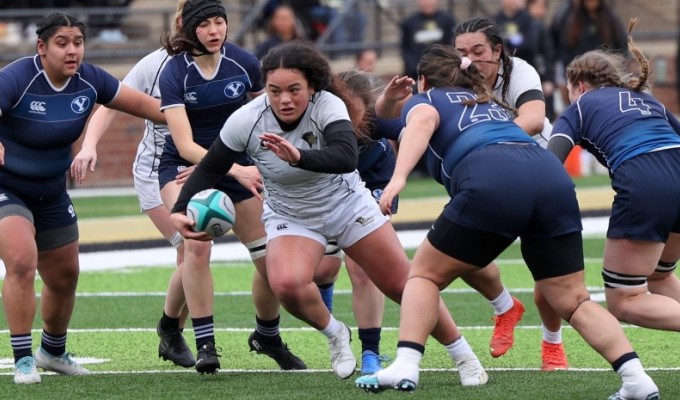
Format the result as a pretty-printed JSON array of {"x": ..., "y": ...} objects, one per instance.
[{"x": 113, "y": 327}]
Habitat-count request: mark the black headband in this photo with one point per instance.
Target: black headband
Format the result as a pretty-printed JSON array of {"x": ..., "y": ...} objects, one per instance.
[{"x": 195, "y": 12}]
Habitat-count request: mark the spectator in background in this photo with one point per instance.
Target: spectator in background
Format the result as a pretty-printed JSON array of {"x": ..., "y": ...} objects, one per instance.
[
  {"x": 427, "y": 26},
  {"x": 282, "y": 28},
  {"x": 581, "y": 26},
  {"x": 107, "y": 26},
  {"x": 544, "y": 59},
  {"x": 366, "y": 60},
  {"x": 516, "y": 28}
]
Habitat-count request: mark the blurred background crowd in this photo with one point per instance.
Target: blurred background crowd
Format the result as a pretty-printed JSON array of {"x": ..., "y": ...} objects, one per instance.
[{"x": 382, "y": 36}]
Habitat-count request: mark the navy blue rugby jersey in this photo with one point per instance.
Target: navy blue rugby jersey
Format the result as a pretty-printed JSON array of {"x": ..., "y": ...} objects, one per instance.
[
  {"x": 462, "y": 128},
  {"x": 39, "y": 122},
  {"x": 616, "y": 124},
  {"x": 209, "y": 101},
  {"x": 377, "y": 147}
]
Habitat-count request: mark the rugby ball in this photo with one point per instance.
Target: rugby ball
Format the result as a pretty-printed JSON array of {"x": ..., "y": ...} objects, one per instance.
[{"x": 212, "y": 212}]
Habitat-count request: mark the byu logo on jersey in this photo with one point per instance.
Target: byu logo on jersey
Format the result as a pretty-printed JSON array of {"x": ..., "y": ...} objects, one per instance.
[
  {"x": 234, "y": 89},
  {"x": 37, "y": 107},
  {"x": 80, "y": 104}
]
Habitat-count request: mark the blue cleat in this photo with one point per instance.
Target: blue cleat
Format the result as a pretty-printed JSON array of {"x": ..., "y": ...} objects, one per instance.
[{"x": 371, "y": 362}]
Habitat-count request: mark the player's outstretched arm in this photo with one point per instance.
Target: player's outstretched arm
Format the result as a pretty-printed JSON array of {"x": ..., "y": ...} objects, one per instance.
[{"x": 100, "y": 122}]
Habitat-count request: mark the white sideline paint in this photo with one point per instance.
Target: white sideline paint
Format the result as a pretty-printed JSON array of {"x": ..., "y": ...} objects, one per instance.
[{"x": 236, "y": 251}]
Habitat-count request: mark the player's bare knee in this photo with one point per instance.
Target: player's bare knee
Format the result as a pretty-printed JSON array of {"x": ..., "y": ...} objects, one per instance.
[
  {"x": 580, "y": 302},
  {"x": 437, "y": 282}
]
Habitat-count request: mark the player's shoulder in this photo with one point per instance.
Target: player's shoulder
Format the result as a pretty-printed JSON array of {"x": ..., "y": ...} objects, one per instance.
[
  {"x": 239, "y": 54},
  {"x": 154, "y": 59},
  {"x": 521, "y": 68}
]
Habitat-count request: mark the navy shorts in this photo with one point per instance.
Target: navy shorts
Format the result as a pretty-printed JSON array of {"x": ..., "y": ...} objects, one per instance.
[
  {"x": 502, "y": 192},
  {"x": 514, "y": 190},
  {"x": 647, "y": 201},
  {"x": 45, "y": 203},
  {"x": 167, "y": 172}
]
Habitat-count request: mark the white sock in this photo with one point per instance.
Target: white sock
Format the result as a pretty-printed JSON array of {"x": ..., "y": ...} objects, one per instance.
[
  {"x": 552, "y": 337},
  {"x": 459, "y": 348},
  {"x": 636, "y": 382},
  {"x": 503, "y": 303},
  {"x": 408, "y": 355},
  {"x": 331, "y": 330},
  {"x": 630, "y": 370}
]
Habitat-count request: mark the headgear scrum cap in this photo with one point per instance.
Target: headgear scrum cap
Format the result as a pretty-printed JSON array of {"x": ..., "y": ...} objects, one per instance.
[{"x": 197, "y": 11}]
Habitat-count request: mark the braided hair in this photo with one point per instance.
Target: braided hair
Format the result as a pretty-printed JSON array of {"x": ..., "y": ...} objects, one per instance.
[
  {"x": 493, "y": 36},
  {"x": 442, "y": 66}
]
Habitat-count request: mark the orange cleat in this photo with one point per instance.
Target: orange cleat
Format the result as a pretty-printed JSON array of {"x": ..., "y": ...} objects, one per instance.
[
  {"x": 504, "y": 329},
  {"x": 554, "y": 357}
]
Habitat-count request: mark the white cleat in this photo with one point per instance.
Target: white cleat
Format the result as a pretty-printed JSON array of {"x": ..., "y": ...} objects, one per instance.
[
  {"x": 25, "y": 371},
  {"x": 403, "y": 378},
  {"x": 471, "y": 371},
  {"x": 63, "y": 364},
  {"x": 343, "y": 361}
]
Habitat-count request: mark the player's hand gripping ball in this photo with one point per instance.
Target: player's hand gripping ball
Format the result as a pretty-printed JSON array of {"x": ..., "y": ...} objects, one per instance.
[{"x": 212, "y": 211}]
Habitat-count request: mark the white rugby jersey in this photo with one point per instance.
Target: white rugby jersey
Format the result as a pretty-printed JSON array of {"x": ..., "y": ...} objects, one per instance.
[
  {"x": 144, "y": 76},
  {"x": 292, "y": 191},
  {"x": 522, "y": 79}
]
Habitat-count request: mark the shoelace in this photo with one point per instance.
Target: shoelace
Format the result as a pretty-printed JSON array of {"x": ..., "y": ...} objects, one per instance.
[{"x": 25, "y": 366}]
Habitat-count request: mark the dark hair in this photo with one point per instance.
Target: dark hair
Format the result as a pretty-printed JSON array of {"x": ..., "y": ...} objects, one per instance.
[
  {"x": 490, "y": 30},
  {"x": 303, "y": 57},
  {"x": 440, "y": 65},
  {"x": 606, "y": 67},
  {"x": 365, "y": 87},
  {"x": 194, "y": 13},
  {"x": 605, "y": 21},
  {"x": 50, "y": 24}
]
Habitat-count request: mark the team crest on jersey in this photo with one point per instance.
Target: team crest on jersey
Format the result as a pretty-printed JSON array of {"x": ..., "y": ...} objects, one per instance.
[
  {"x": 80, "y": 104},
  {"x": 377, "y": 193},
  {"x": 234, "y": 89},
  {"x": 309, "y": 138}
]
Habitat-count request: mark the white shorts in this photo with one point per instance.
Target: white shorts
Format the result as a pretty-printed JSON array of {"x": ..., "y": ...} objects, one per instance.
[
  {"x": 148, "y": 192},
  {"x": 145, "y": 171},
  {"x": 357, "y": 216}
]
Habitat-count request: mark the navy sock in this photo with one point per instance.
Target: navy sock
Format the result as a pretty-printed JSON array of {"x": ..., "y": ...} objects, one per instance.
[
  {"x": 370, "y": 339},
  {"x": 204, "y": 330},
  {"x": 21, "y": 346}
]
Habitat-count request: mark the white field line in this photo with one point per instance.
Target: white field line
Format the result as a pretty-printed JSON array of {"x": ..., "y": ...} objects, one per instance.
[
  {"x": 595, "y": 290},
  {"x": 104, "y": 260},
  {"x": 325, "y": 371},
  {"x": 299, "y": 329}
]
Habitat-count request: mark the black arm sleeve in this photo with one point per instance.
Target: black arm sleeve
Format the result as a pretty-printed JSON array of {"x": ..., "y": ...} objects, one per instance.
[
  {"x": 560, "y": 146},
  {"x": 341, "y": 156},
  {"x": 214, "y": 165}
]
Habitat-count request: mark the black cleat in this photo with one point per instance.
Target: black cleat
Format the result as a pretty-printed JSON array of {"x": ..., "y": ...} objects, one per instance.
[
  {"x": 278, "y": 352},
  {"x": 207, "y": 359},
  {"x": 173, "y": 347}
]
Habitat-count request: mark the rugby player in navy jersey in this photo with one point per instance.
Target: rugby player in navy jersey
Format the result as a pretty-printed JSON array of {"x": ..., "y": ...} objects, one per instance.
[
  {"x": 636, "y": 138},
  {"x": 45, "y": 101},
  {"x": 145, "y": 76},
  {"x": 503, "y": 186}
]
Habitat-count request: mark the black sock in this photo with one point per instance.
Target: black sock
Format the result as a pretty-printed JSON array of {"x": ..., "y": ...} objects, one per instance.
[
  {"x": 370, "y": 339},
  {"x": 204, "y": 330},
  {"x": 268, "y": 331},
  {"x": 169, "y": 323},
  {"x": 21, "y": 346},
  {"x": 53, "y": 344}
]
